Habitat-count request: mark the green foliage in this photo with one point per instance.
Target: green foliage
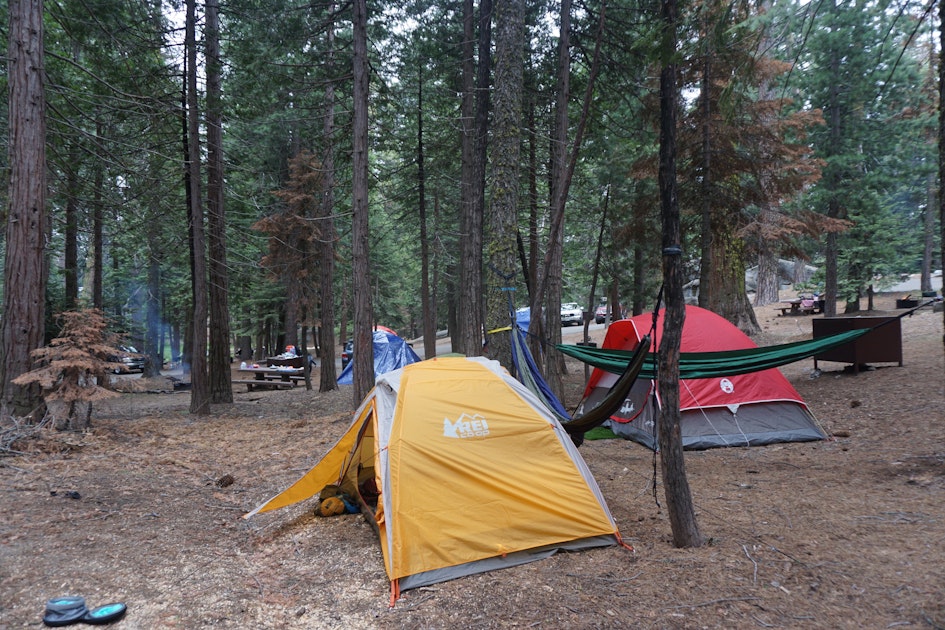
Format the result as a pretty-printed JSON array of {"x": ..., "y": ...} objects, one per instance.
[
  {"x": 115, "y": 142},
  {"x": 879, "y": 157}
]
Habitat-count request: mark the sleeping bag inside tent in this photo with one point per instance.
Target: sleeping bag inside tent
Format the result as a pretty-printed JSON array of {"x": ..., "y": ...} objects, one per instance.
[
  {"x": 743, "y": 410},
  {"x": 462, "y": 470}
]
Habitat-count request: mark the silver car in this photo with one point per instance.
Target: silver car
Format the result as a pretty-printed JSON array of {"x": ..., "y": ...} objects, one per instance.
[{"x": 571, "y": 314}]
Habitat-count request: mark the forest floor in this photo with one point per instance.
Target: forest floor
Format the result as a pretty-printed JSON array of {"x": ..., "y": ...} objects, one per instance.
[{"x": 145, "y": 509}]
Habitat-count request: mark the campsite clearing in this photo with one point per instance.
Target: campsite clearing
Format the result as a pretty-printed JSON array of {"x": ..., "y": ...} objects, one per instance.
[{"x": 145, "y": 509}]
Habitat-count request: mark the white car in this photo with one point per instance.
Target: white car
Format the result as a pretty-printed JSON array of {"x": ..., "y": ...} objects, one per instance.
[{"x": 571, "y": 313}]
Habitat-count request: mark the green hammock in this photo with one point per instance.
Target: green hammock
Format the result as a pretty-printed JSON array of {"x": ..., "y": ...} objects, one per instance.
[{"x": 713, "y": 364}]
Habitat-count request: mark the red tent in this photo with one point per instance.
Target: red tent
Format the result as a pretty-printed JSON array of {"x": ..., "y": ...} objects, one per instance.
[{"x": 747, "y": 409}]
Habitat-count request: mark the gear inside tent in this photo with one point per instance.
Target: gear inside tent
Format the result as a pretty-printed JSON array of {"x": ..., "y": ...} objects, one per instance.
[{"x": 755, "y": 408}]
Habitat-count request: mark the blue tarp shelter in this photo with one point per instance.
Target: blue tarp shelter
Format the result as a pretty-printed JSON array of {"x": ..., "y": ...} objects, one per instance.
[
  {"x": 390, "y": 352},
  {"x": 523, "y": 317}
]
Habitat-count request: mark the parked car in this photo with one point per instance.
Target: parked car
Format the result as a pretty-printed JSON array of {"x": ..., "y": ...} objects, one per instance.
[
  {"x": 347, "y": 353},
  {"x": 571, "y": 313},
  {"x": 600, "y": 315},
  {"x": 131, "y": 359}
]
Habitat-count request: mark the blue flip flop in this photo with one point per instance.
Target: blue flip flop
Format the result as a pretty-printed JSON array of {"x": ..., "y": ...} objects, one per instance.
[
  {"x": 105, "y": 614},
  {"x": 65, "y": 611}
]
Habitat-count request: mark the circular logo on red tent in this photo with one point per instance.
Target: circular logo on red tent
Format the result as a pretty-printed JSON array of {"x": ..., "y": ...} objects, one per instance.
[{"x": 727, "y": 386}]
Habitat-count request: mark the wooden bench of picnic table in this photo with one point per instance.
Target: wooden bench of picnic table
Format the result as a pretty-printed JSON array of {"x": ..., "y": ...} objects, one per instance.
[
  {"x": 255, "y": 383},
  {"x": 270, "y": 378}
]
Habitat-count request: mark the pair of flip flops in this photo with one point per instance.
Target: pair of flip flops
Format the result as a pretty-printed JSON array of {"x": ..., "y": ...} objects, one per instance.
[{"x": 65, "y": 611}]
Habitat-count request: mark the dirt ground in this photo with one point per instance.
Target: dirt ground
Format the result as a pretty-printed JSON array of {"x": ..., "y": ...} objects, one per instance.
[{"x": 145, "y": 509}]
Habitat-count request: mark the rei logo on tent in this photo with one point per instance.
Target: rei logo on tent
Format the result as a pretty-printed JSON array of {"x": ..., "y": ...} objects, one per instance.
[{"x": 466, "y": 427}]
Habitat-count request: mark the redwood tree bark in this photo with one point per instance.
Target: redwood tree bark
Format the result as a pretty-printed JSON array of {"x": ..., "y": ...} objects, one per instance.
[
  {"x": 470, "y": 260},
  {"x": 328, "y": 379},
  {"x": 830, "y": 180},
  {"x": 71, "y": 263},
  {"x": 221, "y": 387},
  {"x": 363, "y": 377},
  {"x": 554, "y": 361},
  {"x": 470, "y": 314},
  {"x": 941, "y": 141},
  {"x": 200, "y": 386},
  {"x": 726, "y": 275},
  {"x": 98, "y": 220},
  {"x": 24, "y": 266},
  {"x": 502, "y": 222},
  {"x": 428, "y": 307}
]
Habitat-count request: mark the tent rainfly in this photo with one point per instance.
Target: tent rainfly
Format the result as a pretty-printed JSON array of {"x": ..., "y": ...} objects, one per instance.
[
  {"x": 752, "y": 409},
  {"x": 462, "y": 470}
]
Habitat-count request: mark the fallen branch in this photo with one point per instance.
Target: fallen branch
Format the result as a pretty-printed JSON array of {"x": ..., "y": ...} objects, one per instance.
[
  {"x": 18, "y": 430},
  {"x": 754, "y": 577}
]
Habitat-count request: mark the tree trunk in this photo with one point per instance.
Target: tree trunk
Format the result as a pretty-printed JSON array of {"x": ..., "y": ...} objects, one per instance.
[
  {"x": 152, "y": 302},
  {"x": 24, "y": 298},
  {"x": 98, "y": 220},
  {"x": 554, "y": 361},
  {"x": 221, "y": 387},
  {"x": 363, "y": 376},
  {"x": 199, "y": 382},
  {"x": 728, "y": 298},
  {"x": 682, "y": 515},
  {"x": 328, "y": 378},
  {"x": 428, "y": 308},
  {"x": 639, "y": 281},
  {"x": 768, "y": 277},
  {"x": 71, "y": 263},
  {"x": 929, "y": 234},
  {"x": 293, "y": 299},
  {"x": 557, "y": 212},
  {"x": 941, "y": 143},
  {"x": 503, "y": 207},
  {"x": 533, "y": 247},
  {"x": 831, "y": 182},
  {"x": 466, "y": 318},
  {"x": 707, "y": 262},
  {"x": 722, "y": 270},
  {"x": 470, "y": 315},
  {"x": 303, "y": 352},
  {"x": 595, "y": 275}
]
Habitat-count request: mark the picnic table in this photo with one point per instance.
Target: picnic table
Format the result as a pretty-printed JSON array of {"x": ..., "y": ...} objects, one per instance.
[
  {"x": 801, "y": 306},
  {"x": 270, "y": 377}
]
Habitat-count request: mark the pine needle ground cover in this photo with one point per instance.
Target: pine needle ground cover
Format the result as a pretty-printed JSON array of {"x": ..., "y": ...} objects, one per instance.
[{"x": 144, "y": 508}]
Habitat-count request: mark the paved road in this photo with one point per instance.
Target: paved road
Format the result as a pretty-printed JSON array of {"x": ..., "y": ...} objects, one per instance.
[{"x": 914, "y": 285}]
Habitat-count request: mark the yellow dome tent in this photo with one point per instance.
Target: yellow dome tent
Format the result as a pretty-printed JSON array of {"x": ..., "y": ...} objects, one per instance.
[{"x": 462, "y": 470}]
